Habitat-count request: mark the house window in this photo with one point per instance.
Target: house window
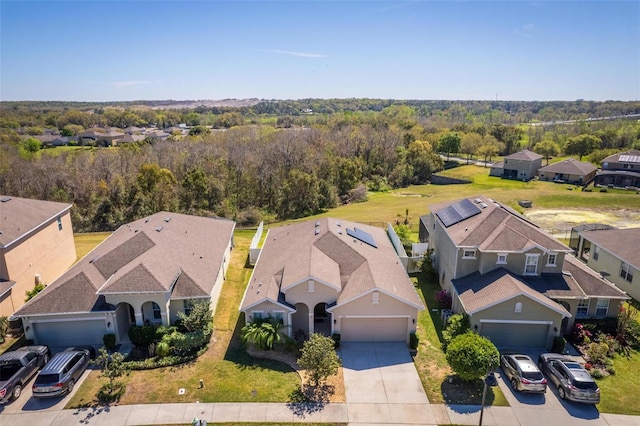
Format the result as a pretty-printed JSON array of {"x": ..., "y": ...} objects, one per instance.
[
  {"x": 59, "y": 223},
  {"x": 596, "y": 251},
  {"x": 583, "y": 309},
  {"x": 279, "y": 316},
  {"x": 626, "y": 272},
  {"x": 531, "y": 264},
  {"x": 551, "y": 259},
  {"x": 188, "y": 306},
  {"x": 469, "y": 254},
  {"x": 602, "y": 308},
  {"x": 376, "y": 297},
  {"x": 257, "y": 315},
  {"x": 518, "y": 308},
  {"x": 502, "y": 259},
  {"x": 157, "y": 314},
  {"x": 311, "y": 287}
]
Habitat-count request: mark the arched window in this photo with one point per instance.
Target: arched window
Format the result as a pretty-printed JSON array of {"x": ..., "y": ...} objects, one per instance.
[
  {"x": 518, "y": 307},
  {"x": 156, "y": 310}
]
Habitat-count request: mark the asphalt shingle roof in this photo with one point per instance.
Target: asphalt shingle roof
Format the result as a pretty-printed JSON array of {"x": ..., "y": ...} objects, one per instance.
[
  {"x": 19, "y": 216},
  {"x": 524, "y": 155},
  {"x": 623, "y": 243},
  {"x": 569, "y": 166}
]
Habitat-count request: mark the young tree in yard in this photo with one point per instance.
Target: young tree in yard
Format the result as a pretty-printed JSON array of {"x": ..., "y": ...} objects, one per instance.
[
  {"x": 113, "y": 367},
  {"x": 490, "y": 148},
  {"x": 547, "y": 149},
  {"x": 469, "y": 144},
  {"x": 471, "y": 356},
  {"x": 582, "y": 145},
  {"x": 200, "y": 317},
  {"x": 319, "y": 358},
  {"x": 449, "y": 142}
]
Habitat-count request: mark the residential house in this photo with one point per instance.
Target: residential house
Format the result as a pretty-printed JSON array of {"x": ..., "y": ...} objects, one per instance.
[
  {"x": 100, "y": 137},
  {"x": 519, "y": 285},
  {"x": 333, "y": 276},
  {"x": 620, "y": 170},
  {"x": 522, "y": 165},
  {"x": 615, "y": 254},
  {"x": 146, "y": 272},
  {"x": 496, "y": 169},
  {"x": 569, "y": 171},
  {"x": 36, "y": 246}
]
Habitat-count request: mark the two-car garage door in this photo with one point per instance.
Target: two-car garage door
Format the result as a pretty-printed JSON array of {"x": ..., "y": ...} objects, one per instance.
[
  {"x": 376, "y": 329},
  {"x": 69, "y": 333},
  {"x": 505, "y": 334}
]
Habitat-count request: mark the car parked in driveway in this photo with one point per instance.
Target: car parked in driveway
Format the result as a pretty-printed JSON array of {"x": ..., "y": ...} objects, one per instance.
[
  {"x": 573, "y": 381},
  {"x": 18, "y": 367},
  {"x": 60, "y": 375},
  {"x": 523, "y": 373}
]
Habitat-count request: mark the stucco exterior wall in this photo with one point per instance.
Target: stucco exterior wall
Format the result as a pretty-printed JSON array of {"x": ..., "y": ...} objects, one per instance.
[
  {"x": 612, "y": 264},
  {"x": 47, "y": 251},
  {"x": 301, "y": 294}
]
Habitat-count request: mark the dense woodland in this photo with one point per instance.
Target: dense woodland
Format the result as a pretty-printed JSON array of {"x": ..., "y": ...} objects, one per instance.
[{"x": 271, "y": 160}]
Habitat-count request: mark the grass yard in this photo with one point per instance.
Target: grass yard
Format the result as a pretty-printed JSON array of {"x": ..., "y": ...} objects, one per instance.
[
  {"x": 619, "y": 393},
  {"x": 87, "y": 242},
  {"x": 432, "y": 365},
  {"x": 229, "y": 374}
]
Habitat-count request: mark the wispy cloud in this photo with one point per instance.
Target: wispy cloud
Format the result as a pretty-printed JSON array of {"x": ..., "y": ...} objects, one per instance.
[
  {"x": 130, "y": 83},
  {"x": 527, "y": 30},
  {"x": 298, "y": 54}
]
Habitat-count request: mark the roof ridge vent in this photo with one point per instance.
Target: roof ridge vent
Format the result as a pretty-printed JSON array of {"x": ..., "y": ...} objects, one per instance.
[
  {"x": 159, "y": 228},
  {"x": 5, "y": 199},
  {"x": 167, "y": 219}
]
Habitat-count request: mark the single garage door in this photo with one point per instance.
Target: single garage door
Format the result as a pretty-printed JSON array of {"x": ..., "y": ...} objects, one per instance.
[
  {"x": 69, "y": 333},
  {"x": 516, "y": 334},
  {"x": 374, "y": 329}
]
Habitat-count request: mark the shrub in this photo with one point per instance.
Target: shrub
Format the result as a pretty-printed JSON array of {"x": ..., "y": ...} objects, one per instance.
[
  {"x": 414, "y": 341},
  {"x": 596, "y": 373},
  {"x": 611, "y": 370},
  {"x": 109, "y": 341},
  {"x": 581, "y": 334},
  {"x": 458, "y": 324},
  {"x": 200, "y": 317},
  {"x": 597, "y": 353},
  {"x": 264, "y": 334},
  {"x": 185, "y": 343},
  {"x": 443, "y": 299},
  {"x": 471, "y": 356},
  {"x": 4, "y": 328},
  {"x": 336, "y": 340},
  {"x": 559, "y": 343},
  {"x": 162, "y": 349},
  {"x": 142, "y": 335},
  {"x": 319, "y": 358}
]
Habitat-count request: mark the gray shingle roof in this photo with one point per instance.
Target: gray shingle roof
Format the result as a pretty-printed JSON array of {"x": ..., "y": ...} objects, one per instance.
[
  {"x": 524, "y": 155},
  {"x": 569, "y": 166},
  {"x": 293, "y": 253},
  {"x": 623, "y": 243},
  {"x": 590, "y": 282},
  {"x": 148, "y": 255},
  {"x": 19, "y": 216}
]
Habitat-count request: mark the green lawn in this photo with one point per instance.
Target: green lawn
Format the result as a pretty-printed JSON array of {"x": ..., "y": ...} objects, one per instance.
[
  {"x": 87, "y": 242},
  {"x": 619, "y": 393}
]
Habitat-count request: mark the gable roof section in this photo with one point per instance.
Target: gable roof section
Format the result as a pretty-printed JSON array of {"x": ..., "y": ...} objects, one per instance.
[
  {"x": 525, "y": 154},
  {"x": 592, "y": 284},
  {"x": 160, "y": 253},
  {"x": 325, "y": 252},
  {"x": 615, "y": 158},
  {"x": 569, "y": 166},
  {"x": 498, "y": 229},
  {"x": 622, "y": 243},
  {"x": 21, "y": 216},
  {"x": 478, "y": 292}
]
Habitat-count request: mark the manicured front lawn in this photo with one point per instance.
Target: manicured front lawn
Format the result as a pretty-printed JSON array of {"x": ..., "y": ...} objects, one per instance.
[
  {"x": 229, "y": 374},
  {"x": 619, "y": 393},
  {"x": 432, "y": 365}
]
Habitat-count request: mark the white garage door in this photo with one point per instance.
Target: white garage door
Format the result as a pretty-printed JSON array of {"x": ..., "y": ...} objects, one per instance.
[
  {"x": 69, "y": 333},
  {"x": 374, "y": 329},
  {"x": 516, "y": 334}
]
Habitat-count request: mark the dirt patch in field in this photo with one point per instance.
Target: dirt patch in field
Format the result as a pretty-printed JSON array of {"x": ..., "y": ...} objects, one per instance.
[{"x": 560, "y": 221}]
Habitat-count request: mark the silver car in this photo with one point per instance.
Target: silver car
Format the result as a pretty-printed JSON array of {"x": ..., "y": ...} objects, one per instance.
[
  {"x": 523, "y": 373},
  {"x": 62, "y": 372},
  {"x": 573, "y": 381}
]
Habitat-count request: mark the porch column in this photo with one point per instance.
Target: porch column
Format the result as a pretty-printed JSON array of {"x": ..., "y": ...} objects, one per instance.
[
  {"x": 138, "y": 317},
  {"x": 311, "y": 328}
]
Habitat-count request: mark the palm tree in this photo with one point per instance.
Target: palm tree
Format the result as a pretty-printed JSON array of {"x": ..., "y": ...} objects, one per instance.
[{"x": 264, "y": 334}]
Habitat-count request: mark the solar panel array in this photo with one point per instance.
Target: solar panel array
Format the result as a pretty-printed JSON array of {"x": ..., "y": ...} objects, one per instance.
[
  {"x": 457, "y": 212},
  {"x": 629, "y": 158},
  {"x": 363, "y": 236}
]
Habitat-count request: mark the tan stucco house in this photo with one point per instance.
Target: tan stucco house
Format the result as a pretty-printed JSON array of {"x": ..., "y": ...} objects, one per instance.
[
  {"x": 519, "y": 285},
  {"x": 568, "y": 171},
  {"x": 522, "y": 165},
  {"x": 615, "y": 254},
  {"x": 36, "y": 246},
  {"x": 146, "y": 272},
  {"x": 333, "y": 276}
]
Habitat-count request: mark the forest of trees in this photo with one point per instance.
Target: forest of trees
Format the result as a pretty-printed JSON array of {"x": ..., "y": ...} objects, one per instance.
[{"x": 277, "y": 160}]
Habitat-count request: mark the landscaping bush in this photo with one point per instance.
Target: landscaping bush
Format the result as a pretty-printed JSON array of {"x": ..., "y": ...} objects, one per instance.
[
  {"x": 458, "y": 324},
  {"x": 581, "y": 334},
  {"x": 559, "y": 343},
  {"x": 597, "y": 353},
  {"x": 142, "y": 335},
  {"x": 185, "y": 343},
  {"x": 4, "y": 328},
  {"x": 443, "y": 299},
  {"x": 336, "y": 340},
  {"x": 471, "y": 356},
  {"x": 414, "y": 341},
  {"x": 109, "y": 341},
  {"x": 162, "y": 349}
]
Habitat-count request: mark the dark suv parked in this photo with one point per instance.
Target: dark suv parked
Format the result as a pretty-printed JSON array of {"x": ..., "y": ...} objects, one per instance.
[
  {"x": 573, "y": 381},
  {"x": 62, "y": 372}
]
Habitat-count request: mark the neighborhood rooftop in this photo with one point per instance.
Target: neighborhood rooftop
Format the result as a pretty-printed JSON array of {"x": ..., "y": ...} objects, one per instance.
[
  {"x": 621, "y": 242},
  {"x": 19, "y": 216}
]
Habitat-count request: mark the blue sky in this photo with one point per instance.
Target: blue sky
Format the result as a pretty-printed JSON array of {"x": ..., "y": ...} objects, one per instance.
[{"x": 132, "y": 50}]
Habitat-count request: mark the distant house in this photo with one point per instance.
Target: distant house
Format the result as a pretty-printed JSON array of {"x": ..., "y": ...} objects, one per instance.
[
  {"x": 522, "y": 165},
  {"x": 615, "y": 254},
  {"x": 100, "y": 138},
  {"x": 568, "y": 171},
  {"x": 620, "y": 170},
  {"x": 497, "y": 169},
  {"x": 518, "y": 285},
  {"x": 36, "y": 246},
  {"x": 146, "y": 272},
  {"x": 333, "y": 276}
]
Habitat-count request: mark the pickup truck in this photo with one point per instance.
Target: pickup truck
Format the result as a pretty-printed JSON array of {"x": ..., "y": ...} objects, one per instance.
[{"x": 17, "y": 367}]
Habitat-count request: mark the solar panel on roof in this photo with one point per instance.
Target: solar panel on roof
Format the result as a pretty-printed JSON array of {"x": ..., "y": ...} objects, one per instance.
[
  {"x": 363, "y": 236},
  {"x": 630, "y": 158},
  {"x": 457, "y": 212}
]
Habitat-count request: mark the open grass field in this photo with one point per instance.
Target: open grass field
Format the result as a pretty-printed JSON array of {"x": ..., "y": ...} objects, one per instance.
[{"x": 87, "y": 242}]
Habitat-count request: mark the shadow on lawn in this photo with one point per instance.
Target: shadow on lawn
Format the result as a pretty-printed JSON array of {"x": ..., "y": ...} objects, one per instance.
[{"x": 309, "y": 399}]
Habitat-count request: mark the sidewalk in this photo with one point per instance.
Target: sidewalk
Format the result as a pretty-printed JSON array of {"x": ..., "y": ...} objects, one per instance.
[{"x": 360, "y": 414}]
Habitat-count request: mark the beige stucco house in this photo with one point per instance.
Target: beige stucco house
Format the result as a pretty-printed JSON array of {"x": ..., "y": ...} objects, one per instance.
[
  {"x": 519, "y": 285},
  {"x": 615, "y": 254},
  {"x": 36, "y": 246},
  {"x": 146, "y": 272},
  {"x": 568, "y": 171},
  {"x": 333, "y": 276},
  {"x": 522, "y": 165}
]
